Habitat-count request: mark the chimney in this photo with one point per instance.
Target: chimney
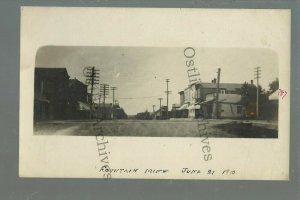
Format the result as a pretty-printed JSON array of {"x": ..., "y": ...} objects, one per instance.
[{"x": 251, "y": 82}]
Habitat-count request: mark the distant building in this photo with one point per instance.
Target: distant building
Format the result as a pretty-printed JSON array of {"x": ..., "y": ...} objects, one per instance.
[
  {"x": 199, "y": 100},
  {"x": 50, "y": 93},
  {"x": 108, "y": 111},
  {"x": 160, "y": 113},
  {"x": 175, "y": 113}
]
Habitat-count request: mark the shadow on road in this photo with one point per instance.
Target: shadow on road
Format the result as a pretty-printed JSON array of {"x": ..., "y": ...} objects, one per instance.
[{"x": 247, "y": 130}]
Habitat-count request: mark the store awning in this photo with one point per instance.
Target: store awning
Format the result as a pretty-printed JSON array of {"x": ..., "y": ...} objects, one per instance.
[
  {"x": 83, "y": 106},
  {"x": 183, "y": 107},
  {"x": 207, "y": 101},
  {"x": 194, "y": 106}
]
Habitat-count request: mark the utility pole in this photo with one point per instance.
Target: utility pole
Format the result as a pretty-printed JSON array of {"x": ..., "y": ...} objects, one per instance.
[
  {"x": 257, "y": 74},
  {"x": 168, "y": 92},
  {"x": 104, "y": 91},
  {"x": 217, "y": 95},
  {"x": 113, "y": 90},
  {"x": 160, "y": 99},
  {"x": 99, "y": 106},
  {"x": 92, "y": 76},
  {"x": 153, "y": 106}
]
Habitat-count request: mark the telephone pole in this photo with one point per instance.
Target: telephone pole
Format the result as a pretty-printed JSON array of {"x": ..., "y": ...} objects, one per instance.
[
  {"x": 217, "y": 95},
  {"x": 92, "y": 78},
  {"x": 104, "y": 91},
  {"x": 160, "y": 99},
  {"x": 113, "y": 90},
  {"x": 257, "y": 74},
  {"x": 168, "y": 92},
  {"x": 99, "y": 106},
  {"x": 153, "y": 108}
]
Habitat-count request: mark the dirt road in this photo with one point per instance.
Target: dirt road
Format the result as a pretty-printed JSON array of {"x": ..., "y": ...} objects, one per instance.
[{"x": 157, "y": 128}]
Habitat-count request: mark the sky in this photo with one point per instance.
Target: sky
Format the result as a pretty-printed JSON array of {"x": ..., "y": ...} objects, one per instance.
[{"x": 139, "y": 73}]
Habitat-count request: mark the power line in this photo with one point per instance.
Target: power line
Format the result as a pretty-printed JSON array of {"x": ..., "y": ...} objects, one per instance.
[
  {"x": 167, "y": 92},
  {"x": 104, "y": 91},
  {"x": 257, "y": 76},
  {"x": 149, "y": 97},
  {"x": 160, "y": 99},
  {"x": 92, "y": 78},
  {"x": 113, "y": 90},
  {"x": 217, "y": 94}
]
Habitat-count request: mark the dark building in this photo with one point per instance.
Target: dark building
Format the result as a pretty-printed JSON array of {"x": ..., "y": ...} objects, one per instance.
[
  {"x": 77, "y": 90},
  {"x": 118, "y": 112},
  {"x": 108, "y": 111},
  {"x": 161, "y": 113},
  {"x": 56, "y": 97},
  {"x": 77, "y": 105},
  {"x": 50, "y": 93}
]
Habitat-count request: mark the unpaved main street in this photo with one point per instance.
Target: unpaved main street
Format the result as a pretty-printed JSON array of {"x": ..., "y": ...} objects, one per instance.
[{"x": 155, "y": 128}]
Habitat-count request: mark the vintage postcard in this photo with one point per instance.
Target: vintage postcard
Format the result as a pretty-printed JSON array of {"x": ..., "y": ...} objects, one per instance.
[{"x": 155, "y": 93}]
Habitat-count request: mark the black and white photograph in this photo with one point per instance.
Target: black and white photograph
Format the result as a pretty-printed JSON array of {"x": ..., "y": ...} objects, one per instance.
[{"x": 156, "y": 92}]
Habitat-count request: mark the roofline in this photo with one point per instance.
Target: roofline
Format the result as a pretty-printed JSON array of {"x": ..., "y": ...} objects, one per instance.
[{"x": 211, "y": 83}]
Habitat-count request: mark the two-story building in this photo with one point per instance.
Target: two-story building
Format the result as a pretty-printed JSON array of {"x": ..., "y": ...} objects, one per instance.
[
  {"x": 78, "y": 105},
  {"x": 199, "y": 100},
  {"x": 50, "y": 93},
  {"x": 56, "y": 97}
]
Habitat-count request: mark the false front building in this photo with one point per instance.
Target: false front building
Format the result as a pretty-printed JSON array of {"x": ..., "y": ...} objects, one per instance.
[{"x": 50, "y": 93}]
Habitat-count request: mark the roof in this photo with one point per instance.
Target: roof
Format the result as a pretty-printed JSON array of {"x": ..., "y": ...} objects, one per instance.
[
  {"x": 273, "y": 96},
  {"x": 183, "y": 107},
  {"x": 75, "y": 81},
  {"x": 225, "y": 98},
  {"x": 106, "y": 105},
  {"x": 230, "y": 98},
  {"x": 163, "y": 108},
  {"x": 193, "y": 106},
  {"x": 51, "y": 72},
  {"x": 228, "y": 86}
]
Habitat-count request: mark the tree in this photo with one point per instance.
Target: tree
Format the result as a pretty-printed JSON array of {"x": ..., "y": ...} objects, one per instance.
[
  {"x": 248, "y": 92},
  {"x": 273, "y": 86}
]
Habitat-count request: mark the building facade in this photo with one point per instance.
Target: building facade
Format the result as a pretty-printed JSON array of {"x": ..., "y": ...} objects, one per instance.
[
  {"x": 50, "y": 93},
  {"x": 56, "y": 97},
  {"x": 77, "y": 105},
  {"x": 199, "y": 100}
]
